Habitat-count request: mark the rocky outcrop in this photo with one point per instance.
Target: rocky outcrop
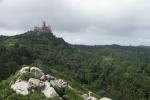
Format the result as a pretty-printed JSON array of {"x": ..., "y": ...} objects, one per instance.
[
  {"x": 48, "y": 84},
  {"x": 21, "y": 87},
  {"x": 36, "y": 72},
  {"x": 47, "y": 77},
  {"x": 89, "y": 97},
  {"x": 84, "y": 96},
  {"x": 49, "y": 91},
  {"x": 24, "y": 70},
  {"x": 59, "y": 85},
  {"x": 105, "y": 98},
  {"x": 35, "y": 83}
]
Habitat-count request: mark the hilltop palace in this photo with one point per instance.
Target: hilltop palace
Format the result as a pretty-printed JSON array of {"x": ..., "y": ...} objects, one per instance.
[{"x": 44, "y": 28}]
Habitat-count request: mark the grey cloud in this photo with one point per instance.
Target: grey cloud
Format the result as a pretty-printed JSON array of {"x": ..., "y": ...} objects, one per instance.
[{"x": 86, "y": 21}]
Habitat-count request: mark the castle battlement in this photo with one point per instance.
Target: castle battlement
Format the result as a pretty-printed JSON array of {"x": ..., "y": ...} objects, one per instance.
[{"x": 44, "y": 28}]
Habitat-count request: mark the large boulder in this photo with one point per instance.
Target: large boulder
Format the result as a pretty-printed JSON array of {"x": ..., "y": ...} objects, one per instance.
[
  {"x": 84, "y": 96},
  {"x": 59, "y": 85},
  {"x": 105, "y": 98},
  {"x": 49, "y": 91},
  {"x": 43, "y": 78},
  {"x": 47, "y": 77},
  {"x": 21, "y": 87},
  {"x": 91, "y": 98},
  {"x": 88, "y": 96},
  {"x": 35, "y": 83},
  {"x": 36, "y": 72},
  {"x": 50, "y": 77},
  {"x": 24, "y": 70}
]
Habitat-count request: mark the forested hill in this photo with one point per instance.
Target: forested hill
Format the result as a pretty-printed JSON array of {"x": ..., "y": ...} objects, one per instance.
[
  {"x": 2, "y": 38},
  {"x": 118, "y": 72}
]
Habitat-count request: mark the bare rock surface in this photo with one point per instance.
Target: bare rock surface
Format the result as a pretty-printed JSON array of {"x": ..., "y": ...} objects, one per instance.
[
  {"x": 105, "y": 98},
  {"x": 49, "y": 91},
  {"x": 59, "y": 85},
  {"x": 21, "y": 87},
  {"x": 36, "y": 72},
  {"x": 89, "y": 97},
  {"x": 24, "y": 70},
  {"x": 35, "y": 83}
]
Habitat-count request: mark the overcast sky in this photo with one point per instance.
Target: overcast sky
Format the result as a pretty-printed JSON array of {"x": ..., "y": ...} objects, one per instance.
[{"x": 92, "y": 22}]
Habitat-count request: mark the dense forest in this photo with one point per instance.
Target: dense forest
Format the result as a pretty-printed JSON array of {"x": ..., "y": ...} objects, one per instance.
[{"x": 118, "y": 72}]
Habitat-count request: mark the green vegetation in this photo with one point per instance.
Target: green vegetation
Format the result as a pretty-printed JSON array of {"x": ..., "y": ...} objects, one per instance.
[
  {"x": 10, "y": 42},
  {"x": 73, "y": 95},
  {"x": 118, "y": 72},
  {"x": 26, "y": 76}
]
